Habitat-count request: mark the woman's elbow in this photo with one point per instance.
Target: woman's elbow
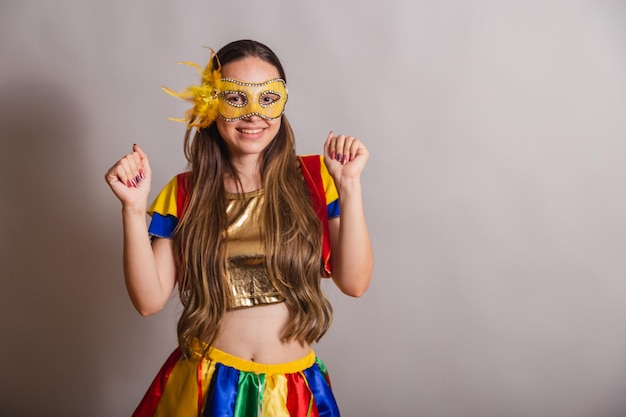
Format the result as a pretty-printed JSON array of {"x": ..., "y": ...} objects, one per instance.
[
  {"x": 146, "y": 310},
  {"x": 356, "y": 292},
  {"x": 354, "y": 288}
]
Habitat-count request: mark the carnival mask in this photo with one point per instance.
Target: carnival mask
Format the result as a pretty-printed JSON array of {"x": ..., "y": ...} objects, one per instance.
[
  {"x": 229, "y": 98},
  {"x": 239, "y": 99}
]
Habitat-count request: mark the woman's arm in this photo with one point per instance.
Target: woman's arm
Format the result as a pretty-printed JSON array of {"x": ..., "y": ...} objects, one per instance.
[
  {"x": 351, "y": 249},
  {"x": 149, "y": 269}
]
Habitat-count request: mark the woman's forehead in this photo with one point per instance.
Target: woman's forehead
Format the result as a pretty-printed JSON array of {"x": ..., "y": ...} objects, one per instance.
[{"x": 250, "y": 69}]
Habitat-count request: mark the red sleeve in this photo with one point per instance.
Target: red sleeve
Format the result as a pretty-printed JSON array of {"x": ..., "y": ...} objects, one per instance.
[{"x": 311, "y": 170}]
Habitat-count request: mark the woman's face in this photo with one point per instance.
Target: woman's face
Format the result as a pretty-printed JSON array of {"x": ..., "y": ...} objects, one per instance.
[{"x": 249, "y": 135}]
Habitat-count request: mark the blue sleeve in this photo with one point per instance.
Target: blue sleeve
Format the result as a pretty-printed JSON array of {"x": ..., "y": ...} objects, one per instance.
[
  {"x": 162, "y": 226},
  {"x": 333, "y": 209}
]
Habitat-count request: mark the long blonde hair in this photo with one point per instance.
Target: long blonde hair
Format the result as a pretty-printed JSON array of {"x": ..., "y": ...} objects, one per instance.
[{"x": 292, "y": 231}]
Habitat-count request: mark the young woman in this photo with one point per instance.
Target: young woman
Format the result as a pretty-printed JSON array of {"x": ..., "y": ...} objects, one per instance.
[{"x": 246, "y": 236}]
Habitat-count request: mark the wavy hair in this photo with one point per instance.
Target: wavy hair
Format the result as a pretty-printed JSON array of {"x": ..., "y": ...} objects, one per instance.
[{"x": 292, "y": 232}]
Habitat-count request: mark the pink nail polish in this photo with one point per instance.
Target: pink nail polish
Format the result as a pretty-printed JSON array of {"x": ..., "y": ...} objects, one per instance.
[{"x": 142, "y": 174}]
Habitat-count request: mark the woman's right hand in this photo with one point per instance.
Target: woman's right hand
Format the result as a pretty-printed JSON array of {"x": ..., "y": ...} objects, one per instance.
[{"x": 130, "y": 179}]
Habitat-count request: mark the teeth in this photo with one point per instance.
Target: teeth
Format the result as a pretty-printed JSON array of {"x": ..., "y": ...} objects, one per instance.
[{"x": 251, "y": 131}]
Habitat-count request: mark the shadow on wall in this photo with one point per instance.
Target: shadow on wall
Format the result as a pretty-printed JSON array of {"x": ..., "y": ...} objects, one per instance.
[{"x": 51, "y": 277}]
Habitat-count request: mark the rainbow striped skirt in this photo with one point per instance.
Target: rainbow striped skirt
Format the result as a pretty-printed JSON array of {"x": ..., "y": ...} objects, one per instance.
[{"x": 223, "y": 385}]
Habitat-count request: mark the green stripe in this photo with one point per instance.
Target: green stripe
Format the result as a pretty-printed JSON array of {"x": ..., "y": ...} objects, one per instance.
[
  {"x": 321, "y": 365},
  {"x": 249, "y": 394}
]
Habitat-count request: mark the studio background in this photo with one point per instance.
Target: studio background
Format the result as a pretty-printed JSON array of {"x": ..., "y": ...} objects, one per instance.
[{"x": 495, "y": 195}]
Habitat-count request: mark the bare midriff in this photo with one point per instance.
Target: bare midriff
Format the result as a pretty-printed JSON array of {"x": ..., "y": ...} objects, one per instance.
[{"x": 254, "y": 334}]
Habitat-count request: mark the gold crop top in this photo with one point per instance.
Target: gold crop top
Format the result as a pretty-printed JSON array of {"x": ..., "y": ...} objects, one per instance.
[{"x": 247, "y": 275}]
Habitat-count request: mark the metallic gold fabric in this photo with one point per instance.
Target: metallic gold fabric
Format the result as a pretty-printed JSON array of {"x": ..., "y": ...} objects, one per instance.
[{"x": 247, "y": 273}]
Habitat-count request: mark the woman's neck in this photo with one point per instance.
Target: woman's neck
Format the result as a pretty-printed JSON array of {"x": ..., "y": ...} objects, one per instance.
[{"x": 248, "y": 176}]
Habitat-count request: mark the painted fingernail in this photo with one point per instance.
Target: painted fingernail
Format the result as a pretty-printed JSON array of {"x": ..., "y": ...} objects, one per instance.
[
  {"x": 339, "y": 157},
  {"x": 142, "y": 174},
  {"x": 332, "y": 155},
  {"x": 133, "y": 183},
  {"x": 137, "y": 179},
  {"x": 128, "y": 183}
]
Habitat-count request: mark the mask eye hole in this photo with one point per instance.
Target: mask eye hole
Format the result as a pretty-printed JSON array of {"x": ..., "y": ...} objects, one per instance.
[
  {"x": 235, "y": 98},
  {"x": 268, "y": 98}
]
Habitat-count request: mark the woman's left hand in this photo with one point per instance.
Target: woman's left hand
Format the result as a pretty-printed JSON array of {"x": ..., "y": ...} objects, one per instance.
[{"x": 344, "y": 156}]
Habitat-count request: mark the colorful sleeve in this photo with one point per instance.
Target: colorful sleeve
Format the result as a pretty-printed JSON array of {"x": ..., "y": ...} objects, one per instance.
[
  {"x": 325, "y": 201},
  {"x": 332, "y": 196},
  {"x": 164, "y": 211}
]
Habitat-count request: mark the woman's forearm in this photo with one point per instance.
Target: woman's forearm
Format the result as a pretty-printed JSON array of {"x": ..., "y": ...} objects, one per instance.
[
  {"x": 352, "y": 255},
  {"x": 148, "y": 269}
]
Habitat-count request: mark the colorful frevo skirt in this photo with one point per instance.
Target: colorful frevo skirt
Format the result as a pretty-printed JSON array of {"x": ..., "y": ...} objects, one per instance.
[{"x": 219, "y": 384}]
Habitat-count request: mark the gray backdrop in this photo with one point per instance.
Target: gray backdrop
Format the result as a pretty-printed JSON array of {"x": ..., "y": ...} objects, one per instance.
[{"x": 495, "y": 195}]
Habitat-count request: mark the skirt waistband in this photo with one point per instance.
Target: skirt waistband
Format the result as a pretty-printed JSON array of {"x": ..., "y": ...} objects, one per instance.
[{"x": 216, "y": 355}]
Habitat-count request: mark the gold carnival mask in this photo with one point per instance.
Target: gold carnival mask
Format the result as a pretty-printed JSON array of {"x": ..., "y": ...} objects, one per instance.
[
  {"x": 229, "y": 98},
  {"x": 240, "y": 99}
]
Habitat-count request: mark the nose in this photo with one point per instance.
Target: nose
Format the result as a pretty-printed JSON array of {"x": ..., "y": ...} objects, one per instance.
[{"x": 252, "y": 117}]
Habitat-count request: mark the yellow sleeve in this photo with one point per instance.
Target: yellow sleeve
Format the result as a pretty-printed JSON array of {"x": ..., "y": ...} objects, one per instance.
[
  {"x": 329, "y": 184},
  {"x": 165, "y": 202}
]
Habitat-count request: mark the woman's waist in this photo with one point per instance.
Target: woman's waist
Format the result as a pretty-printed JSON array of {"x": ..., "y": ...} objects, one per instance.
[
  {"x": 270, "y": 366},
  {"x": 255, "y": 334}
]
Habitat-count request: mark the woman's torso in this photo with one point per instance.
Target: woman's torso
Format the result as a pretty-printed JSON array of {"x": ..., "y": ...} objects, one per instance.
[{"x": 253, "y": 329}]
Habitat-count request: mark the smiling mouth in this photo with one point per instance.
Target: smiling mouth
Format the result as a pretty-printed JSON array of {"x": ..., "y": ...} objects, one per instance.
[{"x": 251, "y": 131}]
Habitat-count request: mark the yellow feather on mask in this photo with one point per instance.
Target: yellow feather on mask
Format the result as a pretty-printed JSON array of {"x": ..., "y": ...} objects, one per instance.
[{"x": 204, "y": 97}]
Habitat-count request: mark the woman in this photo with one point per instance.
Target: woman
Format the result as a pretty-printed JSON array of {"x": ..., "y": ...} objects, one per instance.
[{"x": 246, "y": 236}]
